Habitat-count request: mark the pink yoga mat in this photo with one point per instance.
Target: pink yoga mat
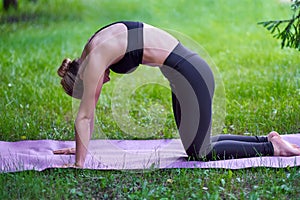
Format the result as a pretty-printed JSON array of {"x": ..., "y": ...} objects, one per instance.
[{"x": 124, "y": 155}]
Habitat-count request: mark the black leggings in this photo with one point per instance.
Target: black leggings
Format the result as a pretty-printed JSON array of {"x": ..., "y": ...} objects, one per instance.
[
  {"x": 192, "y": 85},
  {"x": 237, "y": 146}
]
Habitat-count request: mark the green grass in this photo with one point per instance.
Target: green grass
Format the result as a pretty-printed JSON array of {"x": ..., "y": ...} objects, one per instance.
[
  {"x": 257, "y": 183},
  {"x": 261, "y": 82}
]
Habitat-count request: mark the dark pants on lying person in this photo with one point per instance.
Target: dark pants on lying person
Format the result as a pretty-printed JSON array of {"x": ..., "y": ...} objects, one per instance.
[{"x": 192, "y": 85}]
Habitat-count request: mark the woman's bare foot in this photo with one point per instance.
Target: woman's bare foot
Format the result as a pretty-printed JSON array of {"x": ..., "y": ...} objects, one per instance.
[
  {"x": 284, "y": 148},
  {"x": 272, "y": 134},
  {"x": 295, "y": 146}
]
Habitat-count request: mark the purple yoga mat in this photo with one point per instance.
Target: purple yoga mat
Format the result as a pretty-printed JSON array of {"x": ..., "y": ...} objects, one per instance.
[{"x": 123, "y": 155}]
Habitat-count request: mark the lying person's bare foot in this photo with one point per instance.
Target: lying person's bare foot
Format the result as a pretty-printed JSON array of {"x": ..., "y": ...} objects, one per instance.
[
  {"x": 272, "y": 134},
  {"x": 284, "y": 148}
]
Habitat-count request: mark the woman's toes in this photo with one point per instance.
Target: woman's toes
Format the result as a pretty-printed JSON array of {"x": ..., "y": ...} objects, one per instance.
[
  {"x": 272, "y": 134},
  {"x": 284, "y": 148}
]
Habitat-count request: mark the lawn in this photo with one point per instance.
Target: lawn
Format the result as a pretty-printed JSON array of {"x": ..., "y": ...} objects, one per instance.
[{"x": 260, "y": 80}]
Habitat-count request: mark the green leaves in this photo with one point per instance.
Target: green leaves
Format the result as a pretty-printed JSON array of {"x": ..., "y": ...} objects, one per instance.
[{"x": 290, "y": 34}]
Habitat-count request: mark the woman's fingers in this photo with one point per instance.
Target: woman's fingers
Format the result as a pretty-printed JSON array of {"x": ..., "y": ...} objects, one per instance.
[
  {"x": 69, "y": 165},
  {"x": 65, "y": 151},
  {"x": 72, "y": 151},
  {"x": 60, "y": 151}
]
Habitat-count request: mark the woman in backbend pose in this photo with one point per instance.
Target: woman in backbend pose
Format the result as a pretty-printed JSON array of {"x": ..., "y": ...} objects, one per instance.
[{"x": 121, "y": 47}]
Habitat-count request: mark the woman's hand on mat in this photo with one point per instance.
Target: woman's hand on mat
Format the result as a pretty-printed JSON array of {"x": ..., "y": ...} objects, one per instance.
[
  {"x": 71, "y": 165},
  {"x": 65, "y": 151}
]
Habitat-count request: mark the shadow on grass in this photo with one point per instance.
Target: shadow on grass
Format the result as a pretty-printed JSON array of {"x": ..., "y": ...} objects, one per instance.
[
  {"x": 35, "y": 18},
  {"x": 42, "y": 12},
  {"x": 24, "y": 17}
]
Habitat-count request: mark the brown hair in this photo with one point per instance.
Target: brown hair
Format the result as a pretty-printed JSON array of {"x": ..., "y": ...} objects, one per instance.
[{"x": 72, "y": 84}]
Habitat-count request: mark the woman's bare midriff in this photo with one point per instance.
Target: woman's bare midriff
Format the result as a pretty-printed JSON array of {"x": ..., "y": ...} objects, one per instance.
[{"x": 158, "y": 44}]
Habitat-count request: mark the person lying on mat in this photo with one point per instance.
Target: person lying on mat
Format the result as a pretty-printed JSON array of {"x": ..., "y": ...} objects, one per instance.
[{"x": 121, "y": 47}]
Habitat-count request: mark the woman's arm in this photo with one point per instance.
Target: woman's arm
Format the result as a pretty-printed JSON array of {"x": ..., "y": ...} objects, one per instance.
[
  {"x": 84, "y": 123},
  {"x": 105, "y": 49},
  {"x": 93, "y": 77},
  {"x": 95, "y": 66}
]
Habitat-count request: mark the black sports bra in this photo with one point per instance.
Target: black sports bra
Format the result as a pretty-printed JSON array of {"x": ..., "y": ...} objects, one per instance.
[{"x": 135, "y": 45}]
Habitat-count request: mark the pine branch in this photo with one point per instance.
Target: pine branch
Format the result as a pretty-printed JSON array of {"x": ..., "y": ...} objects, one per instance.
[{"x": 290, "y": 35}]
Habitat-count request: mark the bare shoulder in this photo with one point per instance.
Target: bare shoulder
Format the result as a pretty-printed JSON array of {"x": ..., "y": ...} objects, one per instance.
[
  {"x": 108, "y": 37},
  {"x": 109, "y": 43}
]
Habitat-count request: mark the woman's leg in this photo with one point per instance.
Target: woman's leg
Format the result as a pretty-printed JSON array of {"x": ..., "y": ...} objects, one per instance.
[
  {"x": 176, "y": 110},
  {"x": 245, "y": 138},
  {"x": 241, "y": 138},
  {"x": 275, "y": 146},
  {"x": 239, "y": 146},
  {"x": 192, "y": 85},
  {"x": 229, "y": 149}
]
